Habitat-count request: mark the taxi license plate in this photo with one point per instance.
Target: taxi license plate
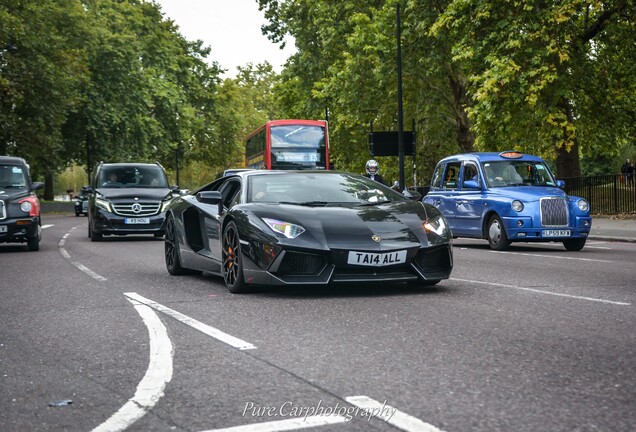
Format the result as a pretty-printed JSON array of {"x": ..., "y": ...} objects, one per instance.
[
  {"x": 376, "y": 259},
  {"x": 556, "y": 233},
  {"x": 3, "y": 228},
  {"x": 137, "y": 221}
]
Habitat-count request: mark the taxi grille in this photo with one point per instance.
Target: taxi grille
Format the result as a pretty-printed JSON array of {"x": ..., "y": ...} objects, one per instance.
[
  {"x": 554, "y": 212},
  {"x": 3, "y": 212},
  {"x": 137, "y": 208},
  {"x": 295, "y": 263}
]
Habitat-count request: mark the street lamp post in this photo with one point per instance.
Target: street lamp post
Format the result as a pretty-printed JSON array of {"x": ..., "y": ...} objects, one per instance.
[{"x": 400, "y": 115}]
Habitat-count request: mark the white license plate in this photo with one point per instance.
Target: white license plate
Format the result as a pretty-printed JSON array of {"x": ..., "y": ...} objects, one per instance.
[
  {"x": 556, "y": 233},
  {"x": 3, "y": 228},
  {"x": 137, "y": 221},
  {"x": 376, "y": 259}
]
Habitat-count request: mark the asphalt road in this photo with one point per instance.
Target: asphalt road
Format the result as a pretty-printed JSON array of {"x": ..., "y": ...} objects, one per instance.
[{"x": 533, "y": 339}]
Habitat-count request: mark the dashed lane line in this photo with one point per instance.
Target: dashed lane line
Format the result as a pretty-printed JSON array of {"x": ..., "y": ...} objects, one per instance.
[
  {"x": 78, "y": 265},
  {"x": 538, "y": 291}
]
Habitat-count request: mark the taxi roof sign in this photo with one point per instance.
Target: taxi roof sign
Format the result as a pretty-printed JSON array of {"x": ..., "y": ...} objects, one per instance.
[{"x": 511, "y": 154}]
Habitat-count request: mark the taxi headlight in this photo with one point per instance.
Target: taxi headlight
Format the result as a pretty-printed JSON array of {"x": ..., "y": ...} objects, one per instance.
[
  {"x": 517, "y": 205},
  {"x": 26, "y": 206},
  {"x": 583, "y": 205},
  {"x": 287, "y": 229},
  {"x": 103, "y": 204}
]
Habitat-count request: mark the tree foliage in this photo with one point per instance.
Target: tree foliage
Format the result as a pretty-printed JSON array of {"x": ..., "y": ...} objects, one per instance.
[{"x": 552, "y": 78}]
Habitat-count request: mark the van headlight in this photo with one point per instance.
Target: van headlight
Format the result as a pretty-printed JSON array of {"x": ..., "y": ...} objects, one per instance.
[{"x": 103, "y": 204}]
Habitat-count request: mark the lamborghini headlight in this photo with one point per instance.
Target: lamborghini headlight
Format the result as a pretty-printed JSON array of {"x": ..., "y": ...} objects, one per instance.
[
  {"x": 436, "y": 225},
  {"x": 103, "y": 204},
  {"x": 165, "y": 202},
  {"x": 287, "y": 229},
  {"x": 437, "y": 230}
]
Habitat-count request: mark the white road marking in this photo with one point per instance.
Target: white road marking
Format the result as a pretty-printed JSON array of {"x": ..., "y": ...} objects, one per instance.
[
  {"x": 80, "y": 266},
  {"x": 544, "y": 292},
  {"x": 150, "y": 388},
  {"x": 285, "y": 425},
  {"x": 551, "y": 256},
  {"x": 47, "y": 226},
  {"x": 392, "y": 415},
  {"x": 197, "y": 325},
  {"x": 88, "y": 271}
]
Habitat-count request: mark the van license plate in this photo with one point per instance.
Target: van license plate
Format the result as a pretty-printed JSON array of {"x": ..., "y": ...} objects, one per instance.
[{"x": 137, "y": 221}]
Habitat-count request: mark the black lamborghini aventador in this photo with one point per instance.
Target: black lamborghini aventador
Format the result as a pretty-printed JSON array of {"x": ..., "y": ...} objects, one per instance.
[{"x": 305, "y": 228}]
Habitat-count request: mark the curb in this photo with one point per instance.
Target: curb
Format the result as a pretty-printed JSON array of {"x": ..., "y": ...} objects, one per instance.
[{"x": 612, "y": 239}]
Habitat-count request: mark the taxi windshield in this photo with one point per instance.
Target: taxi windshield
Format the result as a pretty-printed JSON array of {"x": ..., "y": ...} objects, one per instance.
[
  {"x": 12, "y": 177},
  {"x": 517, "y": 173}
]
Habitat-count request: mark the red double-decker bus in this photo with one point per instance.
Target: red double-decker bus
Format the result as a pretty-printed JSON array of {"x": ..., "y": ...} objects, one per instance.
[{"x": 288, "y": 144}]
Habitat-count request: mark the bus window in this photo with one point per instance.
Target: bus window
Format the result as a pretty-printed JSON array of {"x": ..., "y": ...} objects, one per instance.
[{"x": 289, "y": 144}]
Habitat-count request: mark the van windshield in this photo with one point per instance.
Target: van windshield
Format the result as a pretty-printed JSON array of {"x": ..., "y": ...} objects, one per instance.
[{"x": 132, "y": 177}]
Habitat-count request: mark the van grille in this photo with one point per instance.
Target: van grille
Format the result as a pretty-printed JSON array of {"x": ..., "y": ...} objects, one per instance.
[
  {"x": 137, "y": 209},
  {"x": 554, "y": 212}
]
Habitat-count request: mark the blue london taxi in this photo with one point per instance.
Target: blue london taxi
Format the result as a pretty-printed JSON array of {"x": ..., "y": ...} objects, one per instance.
[{"x": 507, "y": 197}]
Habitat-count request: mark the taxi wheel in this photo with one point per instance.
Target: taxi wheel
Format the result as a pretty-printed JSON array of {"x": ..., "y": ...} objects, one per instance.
[
  {"x": 497, "y": 238},
  {"x": 233, "y": 260},
  {"x": 33, "y": 244},
  {"x": 574, "y": 244}
]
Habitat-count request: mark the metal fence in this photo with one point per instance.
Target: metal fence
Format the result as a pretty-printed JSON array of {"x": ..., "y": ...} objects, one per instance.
[{"x": 607, "y": 194}]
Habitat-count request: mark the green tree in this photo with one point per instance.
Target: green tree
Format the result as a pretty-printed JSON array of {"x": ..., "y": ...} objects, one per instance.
[
  {"x": 43, "y": 66},
  {"x": 554, "y": 78}
]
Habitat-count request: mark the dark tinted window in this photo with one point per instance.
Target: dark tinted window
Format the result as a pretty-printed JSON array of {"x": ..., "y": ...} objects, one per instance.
[
  {"x": 13, "y": 177},
  {"x": 120, "y": 176}
]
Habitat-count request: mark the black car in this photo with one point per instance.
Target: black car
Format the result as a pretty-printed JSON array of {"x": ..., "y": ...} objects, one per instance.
[
  {"x": 305, "y": 228},
  {"x": 128, "y": 198},
  {"x": 19, "y": 206},
  {"x": 81, "y": 202}
]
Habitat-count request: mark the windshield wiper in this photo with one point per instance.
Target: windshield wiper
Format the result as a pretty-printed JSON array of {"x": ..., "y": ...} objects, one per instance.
[
  {"x": 364, "y": 204},
  {"x": 307, "y": 203}
]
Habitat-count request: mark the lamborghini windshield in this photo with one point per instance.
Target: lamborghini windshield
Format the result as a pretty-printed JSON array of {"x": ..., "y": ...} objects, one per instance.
[{"x": 315, "y": 189}]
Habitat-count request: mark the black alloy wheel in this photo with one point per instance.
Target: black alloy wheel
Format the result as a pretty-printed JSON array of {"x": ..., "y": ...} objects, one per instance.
[
  {"x": 171, "y": 249},
  {"x": 232, "y": 260}
]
